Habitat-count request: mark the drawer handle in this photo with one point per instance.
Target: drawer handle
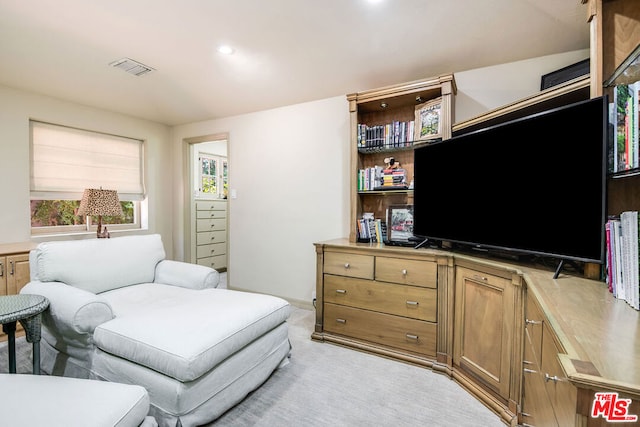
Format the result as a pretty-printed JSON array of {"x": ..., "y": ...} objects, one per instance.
[
  {"x": 554, "y": 378},
  {"x": 346, "y": 265},
  {"x": 412, "y": 337},
  {"x": 404, "y": 272},
  {"x": 213, "y": 225},
  {"x": 213, "y": 250},
  {"x": 343, "y": 321},
  {"x": 484, "y": 279},
  {"x": 213, "y": 238},
  {"x": 341, "y": 291},
  {"x": 12, "y": 271},
  {"x": 1, "y": 269},
  {"x": 529, "y": 371},
  {"x": 414, "y": 303},
  {"x": 533, "y": 322}
]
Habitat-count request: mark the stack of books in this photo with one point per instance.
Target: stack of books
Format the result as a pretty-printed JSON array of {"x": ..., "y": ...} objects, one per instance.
[
  {"x": 376, "y": 178},
  {"x": 394, "y": 179},
  {"x": 622, "y": 258}
]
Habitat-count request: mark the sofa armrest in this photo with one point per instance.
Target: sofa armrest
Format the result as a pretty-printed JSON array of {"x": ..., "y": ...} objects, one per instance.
[
  {"x": 71, "y": 310},
  {"x": 186, "y": 275}
]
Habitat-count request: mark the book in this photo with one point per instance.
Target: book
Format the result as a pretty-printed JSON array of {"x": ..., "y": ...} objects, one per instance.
[{"x": 608, "y": 258}]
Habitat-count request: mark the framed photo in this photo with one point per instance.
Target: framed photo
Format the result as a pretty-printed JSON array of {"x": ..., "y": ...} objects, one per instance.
[
  {"x": 399, "y": 224},
  {"x": 428, "y": 120}
]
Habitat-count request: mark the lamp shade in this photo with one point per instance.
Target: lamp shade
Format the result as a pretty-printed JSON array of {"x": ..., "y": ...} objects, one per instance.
[{"x": 100, "y": 202}]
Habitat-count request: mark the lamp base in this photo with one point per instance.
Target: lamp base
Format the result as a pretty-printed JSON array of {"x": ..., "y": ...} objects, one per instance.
[{"x": 102, "y": 233}]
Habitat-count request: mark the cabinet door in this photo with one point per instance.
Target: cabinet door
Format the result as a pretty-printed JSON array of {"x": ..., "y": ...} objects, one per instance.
[
  {"x": 14, "y": 274},
  {"x": 483, "y": 330},
  {"x": 17, "y": 272}
]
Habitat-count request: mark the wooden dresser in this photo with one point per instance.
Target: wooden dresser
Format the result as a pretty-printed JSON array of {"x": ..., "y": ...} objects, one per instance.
[
  {"x": 384, "y": 300},
  {"x": 532, "y": 348}
]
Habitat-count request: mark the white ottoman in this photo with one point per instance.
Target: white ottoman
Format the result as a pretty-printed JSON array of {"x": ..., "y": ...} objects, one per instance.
[{"x": 41, "y": 400}]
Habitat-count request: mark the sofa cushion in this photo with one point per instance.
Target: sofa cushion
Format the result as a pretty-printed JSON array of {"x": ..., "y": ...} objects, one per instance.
[
  {"x": 184, "y": 333},
  {"x": 99, "y": 265}
]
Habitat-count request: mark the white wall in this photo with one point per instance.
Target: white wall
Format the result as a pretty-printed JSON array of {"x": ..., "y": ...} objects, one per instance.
[
  {"x": 289, "y": 169},
  {"x": 17, "y": 107},
  {"x": 484, "y": 89}
]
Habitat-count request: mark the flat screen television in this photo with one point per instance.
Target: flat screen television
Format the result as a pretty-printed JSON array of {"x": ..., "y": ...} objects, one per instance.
[{"x": 534, "y": 185}]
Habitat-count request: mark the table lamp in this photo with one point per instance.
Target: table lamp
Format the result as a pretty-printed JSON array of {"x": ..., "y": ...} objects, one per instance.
[{"x": 100, "y": 202}]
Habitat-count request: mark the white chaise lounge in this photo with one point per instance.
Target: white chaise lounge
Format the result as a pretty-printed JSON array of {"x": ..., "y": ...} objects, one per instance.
[{"x": 120, "y": 312}]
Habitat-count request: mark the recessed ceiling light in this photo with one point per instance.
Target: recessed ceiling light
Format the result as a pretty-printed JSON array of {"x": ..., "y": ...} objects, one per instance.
[{"x": 225, "y": 50}]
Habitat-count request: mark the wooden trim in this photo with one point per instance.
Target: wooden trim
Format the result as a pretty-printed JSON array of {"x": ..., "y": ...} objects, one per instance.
[{"x": 546, "y": 95}]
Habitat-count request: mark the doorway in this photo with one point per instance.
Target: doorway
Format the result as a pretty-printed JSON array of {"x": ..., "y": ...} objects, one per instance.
[{"x": 206, "y": 228}]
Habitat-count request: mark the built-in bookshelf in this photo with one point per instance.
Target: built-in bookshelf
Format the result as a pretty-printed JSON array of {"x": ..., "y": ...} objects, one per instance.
[{"x": 387, "y": 124}]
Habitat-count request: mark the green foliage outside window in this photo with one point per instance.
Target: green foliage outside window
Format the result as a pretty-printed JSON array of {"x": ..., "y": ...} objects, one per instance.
[{"x": 52, "y": 213}]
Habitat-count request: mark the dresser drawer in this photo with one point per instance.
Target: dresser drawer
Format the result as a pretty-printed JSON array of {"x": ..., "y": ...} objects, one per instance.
[
  {"x": 211, "y": 205},
  {"x": 212, "y": 249},
  {"x": 348, "y": 264},
  {"x": 216, "y": 262},
  {"x": 207, "y": 237},
  {"x": 211, "y": 214},
  {"x": 394, "y": 331},
  {"x": 407, "y": 301},
  {"x": 210, "y": 224},
  {"x": 407, "y": 272}
]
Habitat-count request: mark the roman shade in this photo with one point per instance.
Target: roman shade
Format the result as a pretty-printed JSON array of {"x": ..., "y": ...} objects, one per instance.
[{"x": 65, "y": 161}]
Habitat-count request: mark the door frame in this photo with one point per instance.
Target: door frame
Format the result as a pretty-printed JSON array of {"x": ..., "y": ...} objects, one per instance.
[{"x": 188, "y": 195}]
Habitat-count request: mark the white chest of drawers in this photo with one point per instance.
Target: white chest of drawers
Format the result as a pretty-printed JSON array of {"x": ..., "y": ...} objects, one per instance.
[{"x": 211, "y": 234}]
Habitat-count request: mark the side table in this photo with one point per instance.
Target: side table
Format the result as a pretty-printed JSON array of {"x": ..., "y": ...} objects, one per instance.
[{"x": 26, "y": 309}]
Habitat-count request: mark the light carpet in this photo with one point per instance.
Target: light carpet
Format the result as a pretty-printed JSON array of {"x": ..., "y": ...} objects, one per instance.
[{"x": 329, "y": 385}]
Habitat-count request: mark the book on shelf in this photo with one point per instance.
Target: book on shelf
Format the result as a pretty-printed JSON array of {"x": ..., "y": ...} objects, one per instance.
[
  {"x": 395, "y": 134},
  {"x": 376, "y": 178},
  {"x": 371, "y": 229},
  {"x": 625, "y": 121},
  {"x": 622, "y": 257}
]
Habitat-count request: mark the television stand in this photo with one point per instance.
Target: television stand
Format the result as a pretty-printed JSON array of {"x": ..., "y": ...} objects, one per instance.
[
  {"x": 422, "y": 241},
  {"x": 561, "y": 264}
]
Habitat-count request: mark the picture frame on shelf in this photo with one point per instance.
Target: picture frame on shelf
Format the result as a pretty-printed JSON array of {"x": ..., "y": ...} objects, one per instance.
[
  {"x": 399, "y": 224},
  {"x": 428, "y": 120}
]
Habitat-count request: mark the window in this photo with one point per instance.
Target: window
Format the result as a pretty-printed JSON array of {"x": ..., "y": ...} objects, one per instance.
[
  {"x": 213, "y": 179},
  {"x": 65, "y": 161}
]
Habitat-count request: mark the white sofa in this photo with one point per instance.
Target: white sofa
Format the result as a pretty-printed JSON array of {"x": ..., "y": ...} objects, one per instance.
[{"x": 120, "y": 312}]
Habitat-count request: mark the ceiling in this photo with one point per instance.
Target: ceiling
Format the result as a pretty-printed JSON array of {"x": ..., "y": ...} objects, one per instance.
[{"x": 286, "y": 51}]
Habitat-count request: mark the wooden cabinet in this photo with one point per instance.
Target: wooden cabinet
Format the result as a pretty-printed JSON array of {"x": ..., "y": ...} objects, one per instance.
[
  {"x": 548, "y": 397},
  {"x": 211, "y": 234},
  {"x": 487, "y": 310},
  {"x": 380, "y": 108},
  {"x": 381, "y": 299},
  {"x": 14, "y": 270}
]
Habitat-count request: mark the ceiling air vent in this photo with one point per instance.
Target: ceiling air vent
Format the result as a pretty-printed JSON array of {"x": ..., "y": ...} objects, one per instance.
[{"x": 131, "y": 66}]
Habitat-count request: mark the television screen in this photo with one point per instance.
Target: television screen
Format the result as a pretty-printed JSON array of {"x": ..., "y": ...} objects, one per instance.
[{"x": 535, "y": 185}]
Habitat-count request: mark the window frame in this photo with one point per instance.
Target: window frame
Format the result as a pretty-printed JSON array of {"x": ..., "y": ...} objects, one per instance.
[{"x": 90, "y": 226}]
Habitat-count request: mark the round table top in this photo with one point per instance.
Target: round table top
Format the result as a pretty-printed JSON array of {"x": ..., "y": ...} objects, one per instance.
[{"x": 16, "y": 307}]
